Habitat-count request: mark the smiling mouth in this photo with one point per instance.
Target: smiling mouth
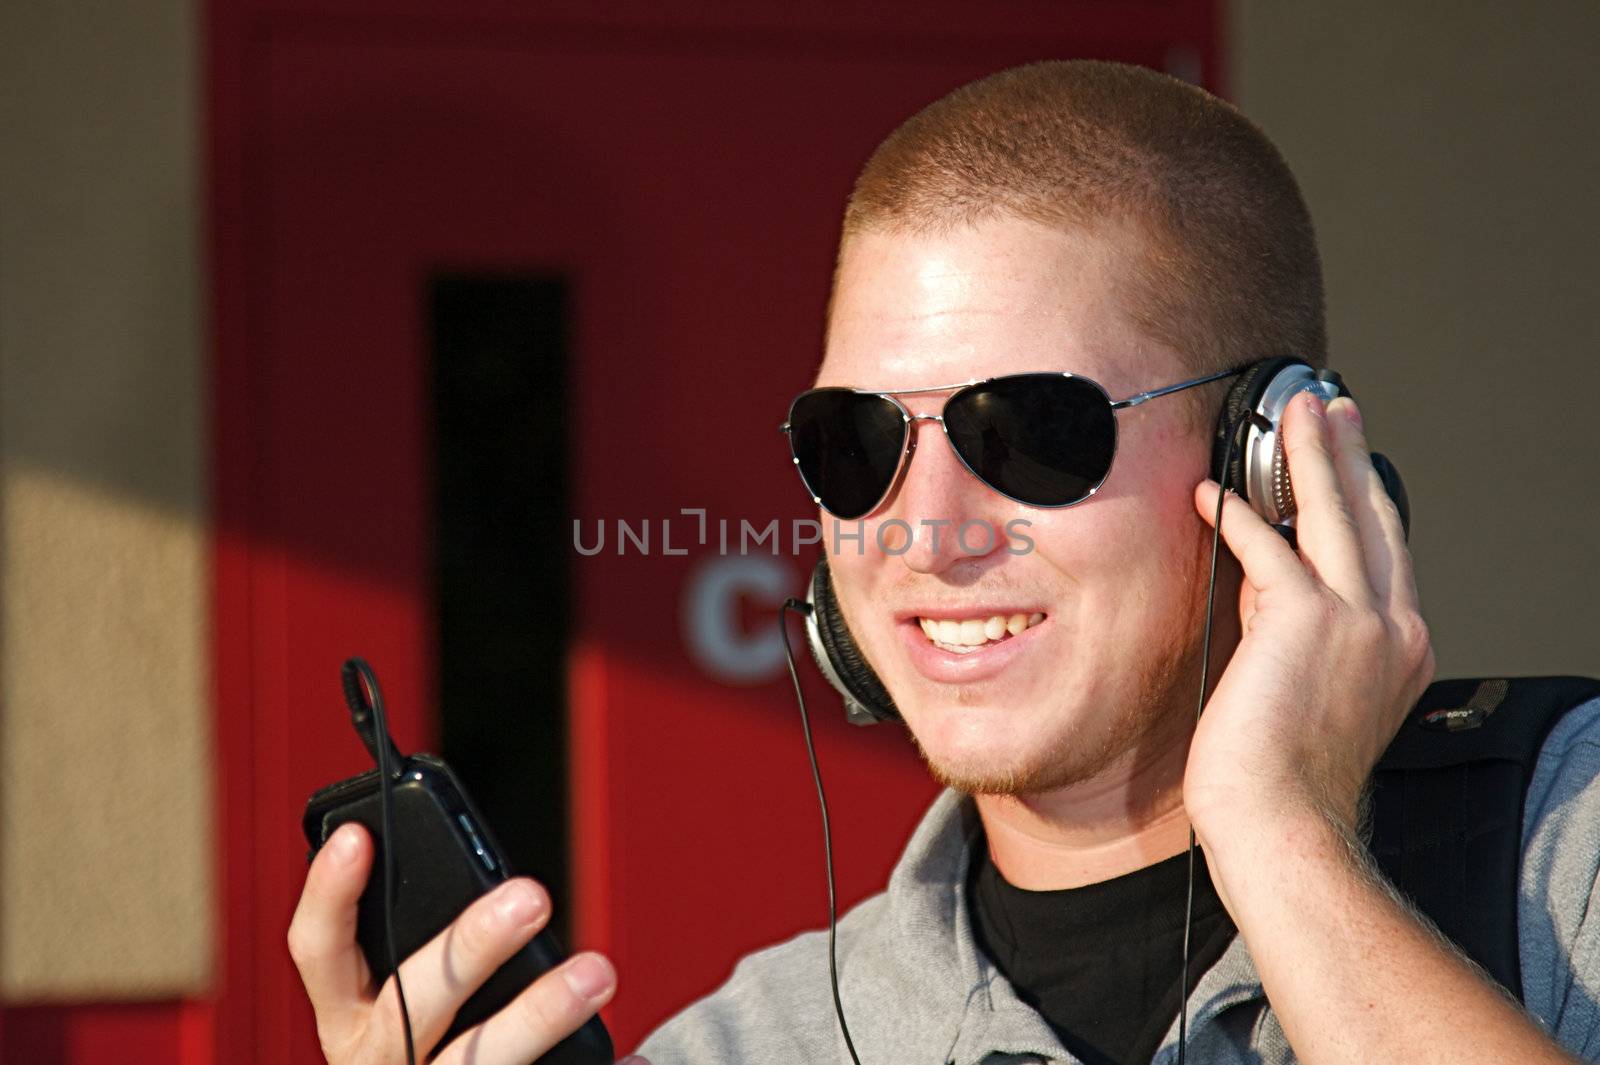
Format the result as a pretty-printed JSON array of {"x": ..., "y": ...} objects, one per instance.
[{"x": 963, "y": 636}]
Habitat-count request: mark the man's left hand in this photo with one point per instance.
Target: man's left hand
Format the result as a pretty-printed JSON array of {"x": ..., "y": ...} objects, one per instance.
[{"x": 1333, "y": 650}]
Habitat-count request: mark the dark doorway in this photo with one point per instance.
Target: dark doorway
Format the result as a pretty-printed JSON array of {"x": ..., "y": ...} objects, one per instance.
[{"x": 500, "y": 565}]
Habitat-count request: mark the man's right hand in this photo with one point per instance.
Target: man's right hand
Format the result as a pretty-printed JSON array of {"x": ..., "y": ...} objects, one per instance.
[{"x": 359, "y": 1024}]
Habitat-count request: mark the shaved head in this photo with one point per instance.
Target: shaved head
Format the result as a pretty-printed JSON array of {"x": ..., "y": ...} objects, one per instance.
[{"x": 1221, "y": 259}]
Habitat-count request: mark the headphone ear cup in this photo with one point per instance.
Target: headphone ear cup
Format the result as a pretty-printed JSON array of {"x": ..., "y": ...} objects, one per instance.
[
  {"x": 1241, "y": 402},
  {"x": 866, "y": 700}
]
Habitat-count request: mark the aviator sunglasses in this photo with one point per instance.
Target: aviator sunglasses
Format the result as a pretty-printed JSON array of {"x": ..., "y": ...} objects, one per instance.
[{"x": 1043, "y": 439}]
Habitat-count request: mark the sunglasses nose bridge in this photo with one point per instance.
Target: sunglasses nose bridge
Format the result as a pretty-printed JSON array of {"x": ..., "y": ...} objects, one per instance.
[
  {"x": 940, "y": 490},
  {"x": 911, "y": 437}
]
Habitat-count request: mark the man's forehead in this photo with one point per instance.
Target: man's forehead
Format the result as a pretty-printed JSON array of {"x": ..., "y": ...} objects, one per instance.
[
  {"x": 1008, "y": 296},
  {"x": 1013, "y": 254}
]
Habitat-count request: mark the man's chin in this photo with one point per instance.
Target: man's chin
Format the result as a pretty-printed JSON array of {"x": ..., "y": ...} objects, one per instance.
[
  {"x": 1010, "y": 773},
  {"x": 1018, "y": 754},
  {"x": 982, "y": 749}
]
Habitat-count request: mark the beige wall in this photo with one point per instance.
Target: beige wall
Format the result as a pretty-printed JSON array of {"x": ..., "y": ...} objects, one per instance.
[
  {"x": 1450, "y": 153},
  {"x": 105, "y": 780}
]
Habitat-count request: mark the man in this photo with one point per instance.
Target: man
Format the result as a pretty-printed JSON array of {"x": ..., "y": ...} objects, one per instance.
[{"x": 1128, "y": 228}]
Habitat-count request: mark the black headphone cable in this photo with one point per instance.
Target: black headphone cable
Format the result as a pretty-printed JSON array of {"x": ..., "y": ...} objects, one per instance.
[
  {"x": 1200, "y": 705},
  {"x": 365, "y": 699},
  {"x": 804, "y": 611}
]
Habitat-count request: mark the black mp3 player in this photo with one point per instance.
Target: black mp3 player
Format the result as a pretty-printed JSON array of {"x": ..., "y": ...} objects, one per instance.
[{"x": 444, "y": 858}]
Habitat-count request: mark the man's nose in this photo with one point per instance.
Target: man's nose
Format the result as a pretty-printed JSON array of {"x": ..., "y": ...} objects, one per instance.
[{"x": 952, "y": 516}]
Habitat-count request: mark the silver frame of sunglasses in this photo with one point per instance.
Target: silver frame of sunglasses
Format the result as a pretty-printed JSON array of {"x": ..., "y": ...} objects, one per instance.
[{"x": 910, "y": 444}]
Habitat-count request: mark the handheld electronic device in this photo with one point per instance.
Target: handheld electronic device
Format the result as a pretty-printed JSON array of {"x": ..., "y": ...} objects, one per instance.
[{"x": 434, "y": 856}]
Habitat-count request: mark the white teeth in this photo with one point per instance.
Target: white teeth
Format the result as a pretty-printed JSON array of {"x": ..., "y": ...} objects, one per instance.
[{"x": 965, "y": 636}]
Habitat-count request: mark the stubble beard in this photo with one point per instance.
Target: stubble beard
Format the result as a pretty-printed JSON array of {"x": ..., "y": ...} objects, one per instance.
[{"x": 1160, "y": 715}]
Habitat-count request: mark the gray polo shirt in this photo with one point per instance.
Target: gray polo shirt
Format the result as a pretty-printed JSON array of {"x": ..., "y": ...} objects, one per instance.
[{"x": 916, "y": 989}]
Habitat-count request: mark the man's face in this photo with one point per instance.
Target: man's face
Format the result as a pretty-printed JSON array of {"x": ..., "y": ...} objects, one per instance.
[{"x": 1107, "y": 676}]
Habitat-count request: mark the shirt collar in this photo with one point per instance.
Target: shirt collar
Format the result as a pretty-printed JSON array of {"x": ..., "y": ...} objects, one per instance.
[{"x": 967, "y": 1010}]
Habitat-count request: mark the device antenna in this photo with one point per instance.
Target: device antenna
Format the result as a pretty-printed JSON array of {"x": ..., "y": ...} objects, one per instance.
[{"x": 365, "y": 699}]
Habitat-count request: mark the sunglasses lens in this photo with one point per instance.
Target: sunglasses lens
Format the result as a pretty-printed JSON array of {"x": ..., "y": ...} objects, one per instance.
[
  {"x": 1043, "y": 439},
  {"x": 847, "y": 447}
]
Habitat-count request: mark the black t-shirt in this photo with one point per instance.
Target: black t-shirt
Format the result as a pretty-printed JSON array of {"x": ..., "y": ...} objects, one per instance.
[{"x": 1100, "y": 962}]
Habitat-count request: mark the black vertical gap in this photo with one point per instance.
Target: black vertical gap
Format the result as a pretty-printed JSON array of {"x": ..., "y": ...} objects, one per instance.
[{"x": 500, "y": 563}]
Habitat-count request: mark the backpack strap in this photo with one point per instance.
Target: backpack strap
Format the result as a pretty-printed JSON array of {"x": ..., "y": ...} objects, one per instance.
[{"x": 1447, "y": 805}]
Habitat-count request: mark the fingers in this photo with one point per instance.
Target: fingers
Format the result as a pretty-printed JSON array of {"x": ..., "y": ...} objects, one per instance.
[
  {"x": 1329, "y": 533},
  {"x": 446, "y": 971},
  {"x": 1383, "y": 537},
  {"x": 1350, "y": 533},
  {"x": 1267, "y": 558},
  {"x": 440, "y": 976},
  {"x": 549, "y": 1010},
  {"x": 322, "y": 934}
]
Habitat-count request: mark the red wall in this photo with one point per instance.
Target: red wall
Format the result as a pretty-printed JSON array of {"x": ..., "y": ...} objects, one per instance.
[{"x": 684, "y": 166}]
